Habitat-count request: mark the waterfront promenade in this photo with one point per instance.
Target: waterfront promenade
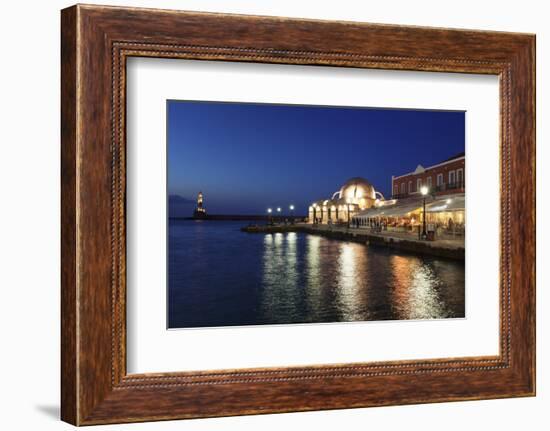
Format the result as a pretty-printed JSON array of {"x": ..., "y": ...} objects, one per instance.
[{"x": 449, "y": 248}]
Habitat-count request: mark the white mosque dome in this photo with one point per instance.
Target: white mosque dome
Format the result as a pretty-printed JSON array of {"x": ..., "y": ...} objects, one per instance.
[{"x": 357, "y": 188}]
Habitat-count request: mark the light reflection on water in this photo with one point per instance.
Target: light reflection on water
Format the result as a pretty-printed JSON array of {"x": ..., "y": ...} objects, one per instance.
[
  {"x": 416, "y": 290},
  {"x": 233, "y": 278},
  {"x": 351, "y": 265}
]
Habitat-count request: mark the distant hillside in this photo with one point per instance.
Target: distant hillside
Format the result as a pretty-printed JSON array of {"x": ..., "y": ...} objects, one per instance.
[{"x": 179, "y": 206}]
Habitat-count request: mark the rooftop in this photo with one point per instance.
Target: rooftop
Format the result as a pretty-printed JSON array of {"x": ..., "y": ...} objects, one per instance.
[{"x": 420, "y": 168}]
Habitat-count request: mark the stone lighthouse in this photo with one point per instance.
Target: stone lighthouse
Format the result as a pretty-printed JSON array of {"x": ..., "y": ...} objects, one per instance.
[{"x": 199, "y": 212}]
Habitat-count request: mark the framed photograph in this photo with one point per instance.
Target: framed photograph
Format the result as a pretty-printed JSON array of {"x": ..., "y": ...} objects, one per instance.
[{"x": 266, "y": 215}]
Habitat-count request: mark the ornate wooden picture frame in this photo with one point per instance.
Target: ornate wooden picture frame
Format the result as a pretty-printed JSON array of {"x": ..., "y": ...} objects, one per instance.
[{"x": 96, "y": 41}]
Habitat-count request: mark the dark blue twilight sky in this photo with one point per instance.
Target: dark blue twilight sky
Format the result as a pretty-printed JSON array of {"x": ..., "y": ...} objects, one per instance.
[{"x": 248, "y": 157}]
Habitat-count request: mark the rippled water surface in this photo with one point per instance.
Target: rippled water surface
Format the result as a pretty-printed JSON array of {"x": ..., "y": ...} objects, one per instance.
[{"x": 220, "y": 276}]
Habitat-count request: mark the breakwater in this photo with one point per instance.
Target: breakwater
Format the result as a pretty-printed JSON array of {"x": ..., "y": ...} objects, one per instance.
[
  {"x": 405, "y": 242},
  {"x": 244, "y": 217}
]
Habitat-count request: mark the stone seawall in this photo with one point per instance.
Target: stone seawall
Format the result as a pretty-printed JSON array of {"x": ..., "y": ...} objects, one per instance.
[
  {"x": 441, "y": 248},
  {"x": 244, "y": 217}
]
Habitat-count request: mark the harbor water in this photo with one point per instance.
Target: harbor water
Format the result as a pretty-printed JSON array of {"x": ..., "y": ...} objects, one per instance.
[{"x": 220, "y": 276}]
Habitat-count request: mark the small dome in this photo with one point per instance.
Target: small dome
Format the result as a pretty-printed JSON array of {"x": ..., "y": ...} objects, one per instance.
[
  {"x": 357, "y": 188},
  {"x": 318, "y": 203}
]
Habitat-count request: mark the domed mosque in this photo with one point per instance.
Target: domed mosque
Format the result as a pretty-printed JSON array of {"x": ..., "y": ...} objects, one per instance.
[{"x": 355, "y": 195}]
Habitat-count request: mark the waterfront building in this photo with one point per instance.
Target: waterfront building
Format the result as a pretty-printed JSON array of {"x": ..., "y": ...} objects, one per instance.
[
  {"x": 445, "y": 214},
  {"x": 444, "y": 188},
  {"x": 443, "y": 178},
  {"x": 355, "y": 195},
  {"x": 200, "y": 211},
  {"x": 358, "y": 204}
]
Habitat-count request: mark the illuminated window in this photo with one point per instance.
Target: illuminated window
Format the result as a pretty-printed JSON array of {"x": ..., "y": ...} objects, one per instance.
[
  {"x": 460, "y": 177},
  {"x": 402, "y": 188},
  {"x": 429, "y": 182},
  {"x": 418, "y": 184},
  {"x": 452, "y": 177},
  {"x": 439, "y": 179},
  {"x": 410, "y": 186}
]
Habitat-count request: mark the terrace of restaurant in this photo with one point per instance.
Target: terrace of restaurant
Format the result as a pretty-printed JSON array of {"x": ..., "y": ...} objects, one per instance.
[{"x": 445, "y": 216}]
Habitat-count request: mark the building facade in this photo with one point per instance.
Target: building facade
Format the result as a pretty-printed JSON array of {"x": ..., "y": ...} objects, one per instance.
[
  {"x": 444, "y": 200},
  {"x": 359, "y": 205},
  {"x": 443, "y": 212},
  {"x": 444, "y": 178},
  {"x": 355, "y": 195}
]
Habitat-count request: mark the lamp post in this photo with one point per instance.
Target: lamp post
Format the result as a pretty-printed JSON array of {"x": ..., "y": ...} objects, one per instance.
[
  {"x": 269, "y": 210},
  {"x": 279, "y": 213},
  {"x": 348, "y": 207},
  {"x": 424, "y": 191},
  {"x": 291, "y": 208}
]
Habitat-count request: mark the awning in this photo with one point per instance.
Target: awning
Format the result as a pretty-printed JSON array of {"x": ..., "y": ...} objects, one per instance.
[
  {"x": 450, "y": 204},
  {"x": 402, "y": 208},
  {"x": 399, "y": 209}
]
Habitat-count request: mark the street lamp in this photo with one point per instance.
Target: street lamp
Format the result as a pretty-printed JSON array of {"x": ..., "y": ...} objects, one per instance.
[
  {"x": 348, "y": 207},
  {"x": 291, "y": 207},
  {"x": 424, "y": 191},
  {"x": 269, "y": 210}
]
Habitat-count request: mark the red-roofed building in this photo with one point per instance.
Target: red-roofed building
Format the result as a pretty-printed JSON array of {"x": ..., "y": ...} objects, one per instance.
[{"x": 443, "y": 178}]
